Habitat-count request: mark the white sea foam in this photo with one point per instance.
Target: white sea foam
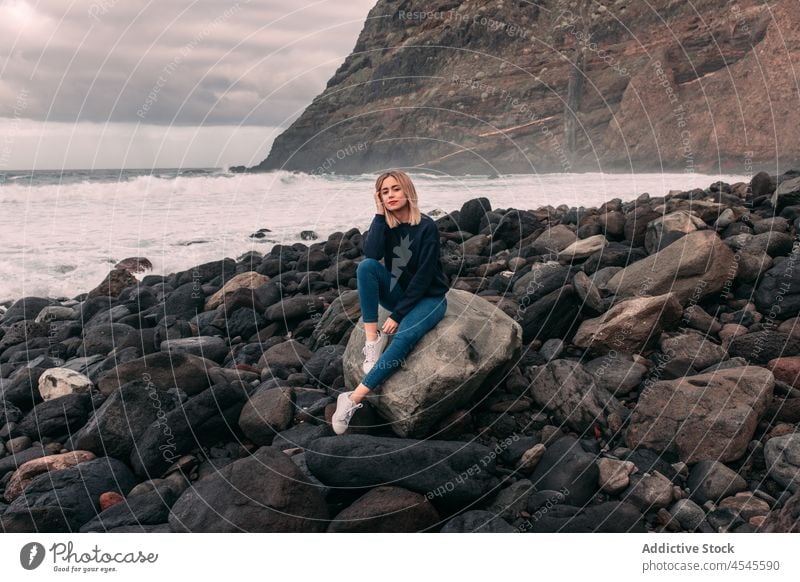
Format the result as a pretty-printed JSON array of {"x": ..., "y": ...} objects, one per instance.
[{"x": 60, "y": 239}]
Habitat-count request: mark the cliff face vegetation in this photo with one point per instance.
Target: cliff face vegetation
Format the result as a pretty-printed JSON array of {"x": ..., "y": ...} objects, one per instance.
[{"x": 558, "y": 85}]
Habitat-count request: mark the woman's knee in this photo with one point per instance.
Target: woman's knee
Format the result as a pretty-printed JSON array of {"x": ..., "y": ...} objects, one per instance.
[{"x": 368, "y": 265}]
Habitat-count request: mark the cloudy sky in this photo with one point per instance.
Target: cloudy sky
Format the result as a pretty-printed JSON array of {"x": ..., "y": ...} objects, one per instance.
[{"x": 168, "y": 83}]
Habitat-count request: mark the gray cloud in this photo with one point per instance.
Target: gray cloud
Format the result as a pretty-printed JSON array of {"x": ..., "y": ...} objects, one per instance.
[{"x": 176, "y": 62}]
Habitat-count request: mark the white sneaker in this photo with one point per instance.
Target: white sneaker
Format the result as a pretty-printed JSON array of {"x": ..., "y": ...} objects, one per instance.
[
  {"x": 372, "y": 351},
  {"x": 345, "y": 409}
]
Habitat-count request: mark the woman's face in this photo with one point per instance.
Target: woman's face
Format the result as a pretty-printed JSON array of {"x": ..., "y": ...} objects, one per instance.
[{"x": 392, "y": 194}]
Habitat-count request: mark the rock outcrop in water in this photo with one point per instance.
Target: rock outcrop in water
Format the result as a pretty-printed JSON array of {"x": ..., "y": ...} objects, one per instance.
[
  {"x": 471, "y": 87},
  {"x": 650, "y": 385}
]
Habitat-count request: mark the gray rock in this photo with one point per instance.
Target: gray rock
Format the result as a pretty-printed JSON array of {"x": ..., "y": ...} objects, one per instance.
[
  {"x": 760, "y": 347},
  {"x": 712, "y": 481},
  {"x": 213, "y": 348},
  {"x": 697, "y": 318},
  {"x": 601, "y": 277},
  {"x": 751, "y": 266},
  {"x": 151, "y": 508},
  {"x": 692, "y": 267},
  {"x": 386, "y": 509},
  {"x": 786, "y": 194},
  {"x": 608, "y": 517},
  {"x": 449, "y": 473},
  {"x": 552, "y": 348},
  {"x": 477, "y": 521},
  {"x": 123, "y": 418},
  {"x": 648, "y": 491},
  {"x": 568, "y": 468},
  {"x": 704, "y": 417},
  {"x": 104, "y": 338},
  {"x": 444, "y": 369},
  {"x": 666, "y": 229},
  {"x": 511, "y": 500},
  {"x": 264, "y": 492},
  {"x": 630, "y": 326},
  {"x": 569, "y": 394},
  {"x": 56, "y": 417},
  {"x": 19, "y": 444},
  {"x": 691, "y": 350},
  {"x": 203, "y": 418},
  {"x": 687, "y": 513},
  {"x": 184, "y": 371},
  {"x": 76, "y": 489},
  {"x": 588, "y": 292},
  {"x": 583, "y": 249},
  {"x": 618, "y": 374},
  {"x": 782, "y": 454},
  {"x": 266, "y": 413},
  {"x": 780, "y": 282}
]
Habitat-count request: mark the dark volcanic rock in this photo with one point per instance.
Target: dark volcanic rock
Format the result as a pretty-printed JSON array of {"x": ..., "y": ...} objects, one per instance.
[
  {"x": 56, "y": 417},
  {"x": 609, "y": 517},
  {"x": 123, "y": 418},
  {"x": 567, "y": 467},
  {"x": 200, "y": 420},
  {"x": 386, "y": 509},
  {"x": 760, "y": 347},
  {"x": 22, "y": 389},
  {"x": 778, "y": 294},
  {"x": 265, "y": 492},
  {"x": 477, "y": 521},
  {"x": 76, "y": 489},
  {"x": 567, "y": 391},
  {"x": 184, "y": 371},
  {"x": 150, "y": 508},
  {"x": 428, "y": 467}
]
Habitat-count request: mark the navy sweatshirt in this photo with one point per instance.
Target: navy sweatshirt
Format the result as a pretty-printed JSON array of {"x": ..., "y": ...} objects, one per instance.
[{"x": 412, "y": 255}]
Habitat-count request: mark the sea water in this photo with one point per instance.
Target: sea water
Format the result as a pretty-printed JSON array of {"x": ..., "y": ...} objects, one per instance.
[{"x": 61, "y": 231}]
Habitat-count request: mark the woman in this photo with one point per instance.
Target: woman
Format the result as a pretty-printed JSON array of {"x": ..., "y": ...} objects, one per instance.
[{"x": 411, "y": 284}]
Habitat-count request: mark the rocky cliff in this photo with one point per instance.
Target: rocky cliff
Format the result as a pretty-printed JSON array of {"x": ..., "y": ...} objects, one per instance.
[{"x": 558, "y": 85}]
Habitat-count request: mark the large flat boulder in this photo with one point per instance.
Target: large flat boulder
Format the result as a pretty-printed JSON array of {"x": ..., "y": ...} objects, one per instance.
[
  {"x": 443, "y": 371},
  {"x": 450, "y": 473},
  {"x": 568, "y": 392},
  {"x": 265, "y": 492},
  {"x": 165, "y": 370},
  {"x": 630, "y": 326},
  {"x": 705, "y": 417},
  {"x": 692, "y": 267}
]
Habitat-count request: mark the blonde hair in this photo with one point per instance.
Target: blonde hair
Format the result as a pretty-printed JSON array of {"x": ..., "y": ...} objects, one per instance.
[{"x": 408, "y": 190}]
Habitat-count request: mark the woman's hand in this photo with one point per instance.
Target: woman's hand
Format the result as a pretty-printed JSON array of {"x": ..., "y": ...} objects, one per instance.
[
  {"x": 390, "y": 325},
  {"x": 380, "y": 209}
]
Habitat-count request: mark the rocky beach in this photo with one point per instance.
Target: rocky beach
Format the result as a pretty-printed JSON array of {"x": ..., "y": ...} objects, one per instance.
[{"x": 633, "y": 367}]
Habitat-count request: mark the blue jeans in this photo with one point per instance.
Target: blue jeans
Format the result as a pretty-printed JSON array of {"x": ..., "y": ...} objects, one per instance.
[{"x": 374, "y": 282}]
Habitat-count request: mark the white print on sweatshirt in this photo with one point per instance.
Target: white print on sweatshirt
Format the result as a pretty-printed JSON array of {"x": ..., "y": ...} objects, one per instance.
[{"x": 403, "y": 254}]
